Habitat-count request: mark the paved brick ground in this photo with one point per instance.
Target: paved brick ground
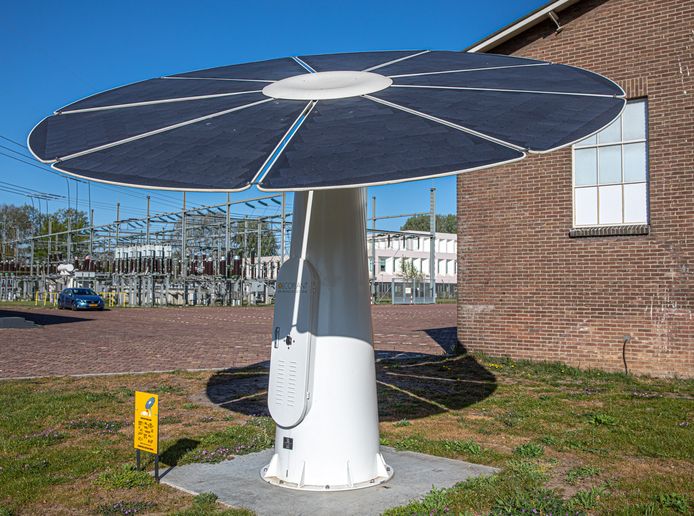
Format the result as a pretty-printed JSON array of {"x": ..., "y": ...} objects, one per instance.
[{"x": 144, "y": 339}]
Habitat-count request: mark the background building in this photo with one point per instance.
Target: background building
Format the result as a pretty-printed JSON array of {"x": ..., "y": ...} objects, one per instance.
[
  {"x": 413, "y": 247},
  {"x": 586, "y": 255}
]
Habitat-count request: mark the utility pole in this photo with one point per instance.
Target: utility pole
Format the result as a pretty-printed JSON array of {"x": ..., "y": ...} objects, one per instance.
[
  {"x": 147, "y": 236},
  {"x": 258, "y": 251},
  {"x": 31, "y": 258},
  {"x": 432, "y": 243},
  {"x": 184, "y": 257},
  {"x": 69, "y": 238},
  {"x": 50, "y": 230},
  {"x": 227, "y": 228},
  {"x": 244, "y": 262},
  {"x": 149, "y": 254},
  {"x": 373, "y": 248},
  {"x": 91, "y": 233},
  {"x": 4, "y": 234},
  {"x": 117, "y": 234},
  {"x": 284, "y": 226}
]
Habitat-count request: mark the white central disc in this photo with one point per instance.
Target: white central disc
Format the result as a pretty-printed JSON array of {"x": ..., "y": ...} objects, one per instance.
[{"x": 327, "y": 85}]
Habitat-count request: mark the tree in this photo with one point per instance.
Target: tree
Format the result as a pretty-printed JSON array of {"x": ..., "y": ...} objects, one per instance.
[
  {"x": 23, "y": 222},
  {"x": 16, "y": 222},
  {"x": 444, "y": 223},
  {"x": 408, "y": 271},
  {"x": 268, "y": 242}
]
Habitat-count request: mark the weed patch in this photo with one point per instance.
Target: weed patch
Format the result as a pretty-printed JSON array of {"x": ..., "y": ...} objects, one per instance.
[
  {"x": 125, "y": 477},
  {"x": 530, "y": 450},
  {"x": 601, "y": 420},
  {"x": 100, "y": 425},
  {"x": 235, "y": 440},
  {"x": 676, "y": 502},
  {"x": 574, "y": 475},
  {"x": 125, "y": 508}
]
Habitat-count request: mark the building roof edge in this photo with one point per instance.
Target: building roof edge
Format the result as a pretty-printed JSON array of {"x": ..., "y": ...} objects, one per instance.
[{"x": 520, "y": 25}]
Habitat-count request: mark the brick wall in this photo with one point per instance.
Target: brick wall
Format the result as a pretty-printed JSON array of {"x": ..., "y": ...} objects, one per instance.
[{"x": 526, "y": 289}]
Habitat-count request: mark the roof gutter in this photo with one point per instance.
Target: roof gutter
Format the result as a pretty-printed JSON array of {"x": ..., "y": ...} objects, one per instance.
[{"x": 522, "y": 24}]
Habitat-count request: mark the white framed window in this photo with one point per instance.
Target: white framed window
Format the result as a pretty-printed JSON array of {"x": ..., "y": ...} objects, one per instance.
[{"x": 610, "y": 172}]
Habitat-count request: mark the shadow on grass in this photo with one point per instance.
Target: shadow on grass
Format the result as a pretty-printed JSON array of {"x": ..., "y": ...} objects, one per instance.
[
  {"x": 410, "y": 386},
  {"x": 178, "y": 449}
]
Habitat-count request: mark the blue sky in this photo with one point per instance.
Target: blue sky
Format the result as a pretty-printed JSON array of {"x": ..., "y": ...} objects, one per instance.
[{"x": 57, "y": 52}]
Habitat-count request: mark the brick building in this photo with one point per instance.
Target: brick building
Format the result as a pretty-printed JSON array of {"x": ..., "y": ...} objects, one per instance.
[{"x": 586, "y": 255}]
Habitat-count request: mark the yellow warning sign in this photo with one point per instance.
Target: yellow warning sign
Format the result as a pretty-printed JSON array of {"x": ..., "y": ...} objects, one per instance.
[{"x": 147, "y": 422}]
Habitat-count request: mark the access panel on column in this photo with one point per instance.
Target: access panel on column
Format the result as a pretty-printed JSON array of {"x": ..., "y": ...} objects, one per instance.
[{"x": 296, "y": 305}]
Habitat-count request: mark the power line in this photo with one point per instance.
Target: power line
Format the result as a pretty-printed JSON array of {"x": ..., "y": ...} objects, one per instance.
[{"x": 12, "y": 141}]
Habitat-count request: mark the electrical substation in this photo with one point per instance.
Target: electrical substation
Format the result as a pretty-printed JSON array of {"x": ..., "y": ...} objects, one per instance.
[{"x": 196, "y": 256}]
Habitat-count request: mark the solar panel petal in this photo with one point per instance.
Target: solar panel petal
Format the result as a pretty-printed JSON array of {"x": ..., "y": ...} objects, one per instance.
[
  {"x": 270, "y": 70},
  {"x": 221, "y": 153},
  {"x": 544, "y": 77},
  {"x": 62, "y": 135},
  {"x": 357, "y": 141},
  {"x": 533, "y": 121},
  {"x": 353, "y": 60},
  {"x": 441, "y": 60},
  {"x": 156, "y": 90}
]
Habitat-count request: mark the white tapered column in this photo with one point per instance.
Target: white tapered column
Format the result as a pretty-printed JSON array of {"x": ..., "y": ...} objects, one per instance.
[{"x": 322, "y": 392}]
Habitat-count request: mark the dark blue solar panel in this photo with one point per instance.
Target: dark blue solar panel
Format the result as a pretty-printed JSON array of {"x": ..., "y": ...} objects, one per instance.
[
  {"x": 161, "y": 89},
  {"x": 222, "y": 153},
  {"x": 271, "y": 70},
  {"x": 354, "y": 61},
  {"x": 343, "y": 142},
  {"x": 536, "y": 78},
  {"x": 62, "y": 135},
  {"x": 358, "y": 141},
  {"x": 438, "y": 61},
  {"x": 531, "y": 120}
]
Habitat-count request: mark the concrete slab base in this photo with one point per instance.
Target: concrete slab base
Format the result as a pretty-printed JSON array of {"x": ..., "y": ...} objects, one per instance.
[{"x": 237, "y": 483}]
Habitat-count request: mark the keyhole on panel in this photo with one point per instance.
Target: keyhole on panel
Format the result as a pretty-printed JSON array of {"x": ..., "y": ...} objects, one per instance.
[{"x": 289, "y": 341}]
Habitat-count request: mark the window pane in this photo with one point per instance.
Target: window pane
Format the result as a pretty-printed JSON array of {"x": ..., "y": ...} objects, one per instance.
[
  {"x": 612, "y": 133},
  {"x": 635, "y": 162},
  {"x": 610, "y": 160},
  {"x": 586, "y": 169},
  {"x": 586, "y": 202},
  {"x": 635, "y": 121},
  {"x": 591, "y": 140},
  {"x": 635, "y": 211},
  {"x": 610, "y": 204}
]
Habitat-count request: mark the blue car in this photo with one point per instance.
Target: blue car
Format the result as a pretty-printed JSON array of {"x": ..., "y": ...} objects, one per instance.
[{"x": 80, "y": 299}]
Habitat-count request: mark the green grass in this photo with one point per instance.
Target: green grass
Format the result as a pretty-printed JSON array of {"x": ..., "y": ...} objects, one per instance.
[
  {"x": 564, "y": 440},
  {"x": 256, "y": 435},
  {"x": 125, "y": 477},
  {"x": 206, "y": 504}
]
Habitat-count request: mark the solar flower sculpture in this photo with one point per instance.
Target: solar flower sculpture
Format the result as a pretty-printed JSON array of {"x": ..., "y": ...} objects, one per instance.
[{"x": 325, "y": 127}]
